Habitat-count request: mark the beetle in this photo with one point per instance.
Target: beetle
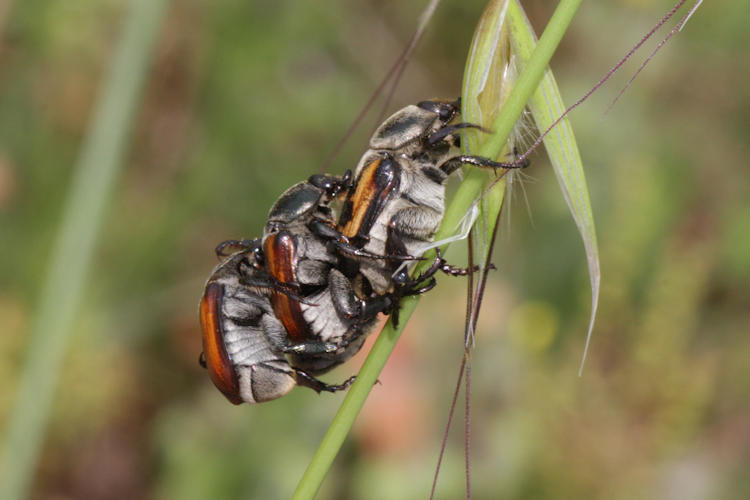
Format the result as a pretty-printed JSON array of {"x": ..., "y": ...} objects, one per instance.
[
  {"x": 396, "y": 202},
  {"x": 294, "y": 255},
  {"x": 245, "y": 346}
]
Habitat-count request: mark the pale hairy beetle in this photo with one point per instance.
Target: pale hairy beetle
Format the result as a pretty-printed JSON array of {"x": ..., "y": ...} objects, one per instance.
[{"x": 397, "y": 200}]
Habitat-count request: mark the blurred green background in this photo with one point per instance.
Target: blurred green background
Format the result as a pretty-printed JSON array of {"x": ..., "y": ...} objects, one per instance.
[{"x": 246, "y": 98}]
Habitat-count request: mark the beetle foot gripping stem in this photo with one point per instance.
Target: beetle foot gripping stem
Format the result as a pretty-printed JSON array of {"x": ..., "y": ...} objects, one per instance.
[
  {"x": 463, "y": 271},
  {"x": 304, "y": 379},
  {"x": 402, "y": 280},
  {"x": 407, "y": 288},
  {"x": 452, "y": 164}
]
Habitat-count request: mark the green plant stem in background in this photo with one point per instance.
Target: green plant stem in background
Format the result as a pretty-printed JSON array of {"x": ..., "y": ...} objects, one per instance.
[
  {"x": 94, "y": 178},
  {"x": 467, "y": 194}
]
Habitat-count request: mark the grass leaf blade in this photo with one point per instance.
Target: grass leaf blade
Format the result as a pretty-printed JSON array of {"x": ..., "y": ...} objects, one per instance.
[{"x": 546, "y": 105}]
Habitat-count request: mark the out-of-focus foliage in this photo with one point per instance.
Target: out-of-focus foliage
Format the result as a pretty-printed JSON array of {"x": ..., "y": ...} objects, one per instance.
[{"x": 248, "y": 97}]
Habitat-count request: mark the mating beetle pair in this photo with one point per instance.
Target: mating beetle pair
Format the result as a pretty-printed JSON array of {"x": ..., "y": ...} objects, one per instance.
[
  {"x": 283, "y": 309},
  {"x": 277, "y": 311}
]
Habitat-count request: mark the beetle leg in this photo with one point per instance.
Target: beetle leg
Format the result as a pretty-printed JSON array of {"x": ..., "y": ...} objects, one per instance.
[
  {"x": 439, "y": 264},
  {"x": 343, "y": 297},
  {"x": 386, "y": 303},
  {"x": 445, "y": 110},
  {"x": 359, "y": 311},
  {"x": 347, "y": 304},
  {"x": 366, "y": 309},
  {"x": 306, "y": 380},
  {"x": 353, "y": 251},
  {"x": 277, "y": 286},
  {"x": 461, "y": 271},
  {"x": 404, "y": 291},
  {"x": 402, "y": 279},
  {"x": 419, "y": 291},
  {"x": 311, "y": 348},
  {"x": 244, "y": 244},
  {"x": 408, "y": 292},
  {"x": 410, "y": 226},
  {"x": 331, "y": 184},
  {"x": 323, "y": 230},
  {"x": 444, "y": 132},
  {"x": 452, "y": 164}
]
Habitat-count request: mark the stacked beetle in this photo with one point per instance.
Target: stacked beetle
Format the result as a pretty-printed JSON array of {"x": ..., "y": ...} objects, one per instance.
[{"x": 279, "y": 310}]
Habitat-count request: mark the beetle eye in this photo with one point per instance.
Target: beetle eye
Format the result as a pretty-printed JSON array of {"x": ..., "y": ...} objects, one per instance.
[{"x": 202, "y": 359}]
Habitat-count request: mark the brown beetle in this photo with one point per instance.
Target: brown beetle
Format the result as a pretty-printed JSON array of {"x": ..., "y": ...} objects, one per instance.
[{"x": 245, "y": 346}]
